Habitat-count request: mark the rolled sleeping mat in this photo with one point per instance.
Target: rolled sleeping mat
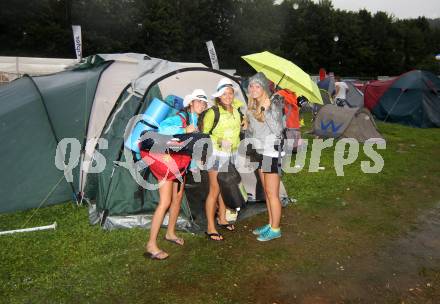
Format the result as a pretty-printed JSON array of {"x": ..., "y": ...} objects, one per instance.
[
  {"x": 176, "y": 101},
  {"x": 151, "y": 118}
]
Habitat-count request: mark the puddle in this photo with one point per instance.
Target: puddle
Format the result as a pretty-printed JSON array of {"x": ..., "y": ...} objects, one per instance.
[{"x": 420, "y": 247}]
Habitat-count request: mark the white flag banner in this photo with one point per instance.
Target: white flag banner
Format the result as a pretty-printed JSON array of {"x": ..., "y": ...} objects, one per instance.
[
  {"x": 212, "y": 54},
  {"x": 77, "y": 40}
]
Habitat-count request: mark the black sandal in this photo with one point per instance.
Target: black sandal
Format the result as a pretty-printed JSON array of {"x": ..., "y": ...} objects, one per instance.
[
  {"x": 229, "y": 227},
  {"x": 211, "y": 235}
]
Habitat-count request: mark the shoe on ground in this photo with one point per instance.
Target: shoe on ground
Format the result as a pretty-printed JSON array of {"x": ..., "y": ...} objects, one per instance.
[
  {"x": 269, "y": 235},
  {"x": 260, "y": 230}
]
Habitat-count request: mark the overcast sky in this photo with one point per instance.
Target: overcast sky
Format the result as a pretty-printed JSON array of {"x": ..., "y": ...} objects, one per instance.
[{"x": 399, "y": 8}]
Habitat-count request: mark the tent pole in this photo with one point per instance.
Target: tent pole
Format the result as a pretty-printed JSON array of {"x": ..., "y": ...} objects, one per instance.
[
  {"x": 392, "y": 108},
  {"x": 53, "y": 226}
]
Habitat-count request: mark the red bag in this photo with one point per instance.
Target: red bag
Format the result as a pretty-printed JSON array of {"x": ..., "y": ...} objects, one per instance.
[
  {"x": 166, "y": 165},
  {"x": 291, "y": 108}
]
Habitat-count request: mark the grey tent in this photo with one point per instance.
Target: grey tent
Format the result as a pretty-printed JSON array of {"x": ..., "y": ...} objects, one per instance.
[
  {"x": 326, "y": 98},
  {"x": 90, "y": 104},
  {"x": 328, "y": 84},
  {"x": 355, "y": 98},
  {"x": 342, "y": 122}
]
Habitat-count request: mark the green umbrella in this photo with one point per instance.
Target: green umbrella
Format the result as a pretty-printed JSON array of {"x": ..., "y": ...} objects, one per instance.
[{"x": 285, "y": 74}]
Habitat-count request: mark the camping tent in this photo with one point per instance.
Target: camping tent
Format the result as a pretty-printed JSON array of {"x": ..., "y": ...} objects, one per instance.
[
  {"x": 326, "y": 98},
  {"x": 118, "y": 193},
  {"x": 34, "y": 66},
  {"x": 412, "y": 99},
  {"x": 355, "y": 98},
  {"x": 342, "y": 122},
  {"x": 92, "y": 104},
  {"x": 328, "y": 84},
  {"x": 36, "y": 114},
  {"x": 374, "y": 90}
]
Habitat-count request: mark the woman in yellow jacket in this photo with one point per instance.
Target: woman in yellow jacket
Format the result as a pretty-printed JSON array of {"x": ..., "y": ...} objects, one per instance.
[{"x": 225, "y": 137}]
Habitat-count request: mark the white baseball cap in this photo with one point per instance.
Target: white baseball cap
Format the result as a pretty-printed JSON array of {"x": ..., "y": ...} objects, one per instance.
[
  {"x": 222, "y": 85},
  {"x": 186, "y": 100}
]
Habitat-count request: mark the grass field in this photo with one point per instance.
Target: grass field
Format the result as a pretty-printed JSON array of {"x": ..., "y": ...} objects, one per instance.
[{"x": 360, "y": 238}]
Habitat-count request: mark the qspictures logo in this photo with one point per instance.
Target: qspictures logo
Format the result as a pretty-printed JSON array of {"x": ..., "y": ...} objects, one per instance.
[{"x": 293, "y": 156}]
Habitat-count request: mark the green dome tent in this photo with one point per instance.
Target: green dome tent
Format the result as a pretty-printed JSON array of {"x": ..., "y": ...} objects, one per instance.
[
  {"x": 35, "y": 114},
  {"x": 412, "y": 99}
]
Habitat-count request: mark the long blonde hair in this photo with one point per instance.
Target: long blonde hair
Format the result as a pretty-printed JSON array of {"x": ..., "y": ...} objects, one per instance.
[{"x": 255, "y": 105}]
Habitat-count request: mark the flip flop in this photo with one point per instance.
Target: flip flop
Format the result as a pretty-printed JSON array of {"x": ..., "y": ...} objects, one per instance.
[
  {"x": 155, "y": 256},
  {"x": 210, "y": 236},
  {"x": 230, "y": 227},
  {"x": 177, "y": 241}
]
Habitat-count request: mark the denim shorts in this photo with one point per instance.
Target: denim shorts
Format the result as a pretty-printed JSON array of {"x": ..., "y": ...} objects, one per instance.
[{"x": 215, "y": 162}]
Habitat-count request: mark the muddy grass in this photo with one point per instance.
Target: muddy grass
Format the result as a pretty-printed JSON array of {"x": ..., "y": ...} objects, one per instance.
[
  {"x": 354, "y": 239},
  {"x": 344, "y": 267}
]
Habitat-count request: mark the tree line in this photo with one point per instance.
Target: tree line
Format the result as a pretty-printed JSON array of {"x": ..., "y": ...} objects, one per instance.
[{"x": 311, "y": 34}]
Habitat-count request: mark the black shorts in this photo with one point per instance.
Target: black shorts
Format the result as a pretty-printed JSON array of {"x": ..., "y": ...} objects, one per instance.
[{"x": 267, "y": 164}]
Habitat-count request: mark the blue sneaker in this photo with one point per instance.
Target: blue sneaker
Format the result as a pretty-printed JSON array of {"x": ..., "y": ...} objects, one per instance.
[
  {"x": 269, "y": 235},
  {"x": 260, "y": 230}
]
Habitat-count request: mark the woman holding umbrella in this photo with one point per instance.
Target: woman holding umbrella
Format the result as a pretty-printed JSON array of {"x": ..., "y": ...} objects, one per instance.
[{"x": 265, "y": 128}]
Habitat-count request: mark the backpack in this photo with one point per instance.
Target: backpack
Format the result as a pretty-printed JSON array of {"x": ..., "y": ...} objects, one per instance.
[
  {"x": 216, "y": 118},
  {"x": 185, "y": 120},
  {"x": 291, "y": 109}
]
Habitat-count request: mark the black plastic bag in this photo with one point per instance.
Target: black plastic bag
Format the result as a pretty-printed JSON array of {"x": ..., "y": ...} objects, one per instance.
[{"x": 231, "y": 188}]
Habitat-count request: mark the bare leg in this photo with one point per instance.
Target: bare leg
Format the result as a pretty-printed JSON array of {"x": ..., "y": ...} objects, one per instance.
[
  {"x": 262, "y": 178},
  {"x": 165, "y": 192},
  {"x": 222, "y": 214},
  {"x": 221, "y": 210},
  {"x": 174, "y": 212},
  {"x": 211, "y": 200},
  {"x": 272, "y": 186}
]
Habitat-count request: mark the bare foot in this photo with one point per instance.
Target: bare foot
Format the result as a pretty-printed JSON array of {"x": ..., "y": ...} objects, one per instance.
[
  {"x": 173, "y": 238},
  {"x": 153, "y": 252}
]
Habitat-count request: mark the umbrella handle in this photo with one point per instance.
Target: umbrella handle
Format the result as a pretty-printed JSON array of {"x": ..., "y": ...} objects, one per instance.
[
  {"x": 280, "y": 80},
  {"x": 277, "y": 85}
]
